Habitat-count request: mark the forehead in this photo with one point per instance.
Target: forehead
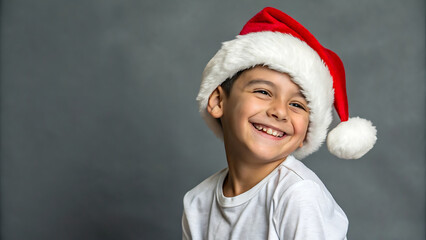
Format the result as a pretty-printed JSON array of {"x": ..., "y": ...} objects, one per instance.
[{"x": 261, "y": 75}]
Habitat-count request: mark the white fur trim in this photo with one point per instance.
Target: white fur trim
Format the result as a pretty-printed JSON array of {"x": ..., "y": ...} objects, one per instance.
[
  {"x": 283, "y": 53},
  {"x": 352, "y": 139}
]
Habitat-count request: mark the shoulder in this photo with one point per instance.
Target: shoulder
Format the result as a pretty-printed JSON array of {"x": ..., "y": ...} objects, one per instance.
[
  {"x": 308, "y": 212},
  {"x": 204, "y": 190},
  {"x": 293, "y": 175},
  {"x": 197, "y": 204},
  {"x": 303, "y": 195},
  {"x": 305, "y": 206},
  {"x": 300, "y": 170},
  {"x": 303, "y": 186}
]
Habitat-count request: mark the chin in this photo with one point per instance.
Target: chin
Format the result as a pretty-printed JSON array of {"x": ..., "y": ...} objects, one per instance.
[{"x": 267, "y": 155}]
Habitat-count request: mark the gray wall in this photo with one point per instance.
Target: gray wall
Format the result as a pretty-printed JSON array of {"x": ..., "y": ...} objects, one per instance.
[{"x": 100, "y": 134}]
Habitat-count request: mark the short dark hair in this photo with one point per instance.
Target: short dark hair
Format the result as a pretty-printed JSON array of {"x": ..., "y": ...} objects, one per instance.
[{"x": 228, "y": 83}]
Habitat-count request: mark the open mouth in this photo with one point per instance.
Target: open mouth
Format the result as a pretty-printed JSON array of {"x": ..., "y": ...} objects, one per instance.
[{"x": 269, "y": 131}]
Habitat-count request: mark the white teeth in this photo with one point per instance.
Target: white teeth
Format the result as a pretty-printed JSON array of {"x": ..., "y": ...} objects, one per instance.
[{"x": 269, "y": 131}]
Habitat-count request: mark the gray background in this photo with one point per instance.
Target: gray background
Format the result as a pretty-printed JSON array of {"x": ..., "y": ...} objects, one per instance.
[{"x": 100, "y": 134}]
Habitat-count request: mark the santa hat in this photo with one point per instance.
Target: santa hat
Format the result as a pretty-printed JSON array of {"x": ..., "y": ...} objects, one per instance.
[{"x": 274, "y": 39}]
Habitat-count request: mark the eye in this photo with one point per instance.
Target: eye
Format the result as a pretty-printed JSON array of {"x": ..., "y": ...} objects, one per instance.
[
  {"x": 298, "y": 106},
  {"x": 264, "y": 92}
]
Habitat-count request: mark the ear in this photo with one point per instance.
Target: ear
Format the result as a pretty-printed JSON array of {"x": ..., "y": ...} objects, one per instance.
[{"x": 215, "y": 103}]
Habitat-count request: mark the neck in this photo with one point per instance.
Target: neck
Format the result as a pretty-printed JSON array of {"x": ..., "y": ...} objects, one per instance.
[{"x": 245, "y": 173}]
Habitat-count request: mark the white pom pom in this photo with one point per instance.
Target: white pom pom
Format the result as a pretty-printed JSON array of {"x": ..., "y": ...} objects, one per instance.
[{"x": 352, "y": 139}]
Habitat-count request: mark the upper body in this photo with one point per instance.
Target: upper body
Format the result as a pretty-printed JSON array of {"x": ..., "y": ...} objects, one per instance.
[
  {"x": 289, "y": 203},
  {"x": 265, "y": 193},
  {"x": 268, "y": 94}
]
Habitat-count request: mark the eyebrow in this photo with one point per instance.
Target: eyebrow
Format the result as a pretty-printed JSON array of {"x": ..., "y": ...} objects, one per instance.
[
  {"x": 300, "y": 94},
  {"x": 260, "y": 81}
]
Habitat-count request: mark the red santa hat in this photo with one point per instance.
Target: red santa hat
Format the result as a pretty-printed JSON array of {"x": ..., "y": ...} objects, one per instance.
[{"x": 274, "y": 39}]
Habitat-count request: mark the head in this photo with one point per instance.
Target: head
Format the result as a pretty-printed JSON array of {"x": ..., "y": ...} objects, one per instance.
[
  {"x": 263, "y": 114},
  {"x": 282, "y": 53},
  {"x": 274, "y": 39}
]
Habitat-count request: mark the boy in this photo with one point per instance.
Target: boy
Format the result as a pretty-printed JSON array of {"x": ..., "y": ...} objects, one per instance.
[{"x": 268, "y": 94}]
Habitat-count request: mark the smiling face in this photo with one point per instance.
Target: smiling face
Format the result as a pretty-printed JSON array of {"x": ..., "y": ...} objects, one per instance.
[{"x": 264, "y": 118}]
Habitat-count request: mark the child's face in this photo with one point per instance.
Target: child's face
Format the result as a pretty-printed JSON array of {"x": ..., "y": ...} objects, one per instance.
[{"x": 264, "y": 116}]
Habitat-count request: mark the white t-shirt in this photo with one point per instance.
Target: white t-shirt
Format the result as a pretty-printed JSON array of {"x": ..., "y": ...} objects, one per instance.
[{"x": 290, "y": 203}]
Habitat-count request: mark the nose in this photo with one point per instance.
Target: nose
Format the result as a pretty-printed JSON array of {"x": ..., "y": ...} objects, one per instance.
[{"x": 278, "y": 110}]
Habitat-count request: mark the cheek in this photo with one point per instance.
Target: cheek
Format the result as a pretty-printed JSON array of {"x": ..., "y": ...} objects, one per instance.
[
  {"x": 302, "y": 124},
  {"x": 247, "y": 108}
]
